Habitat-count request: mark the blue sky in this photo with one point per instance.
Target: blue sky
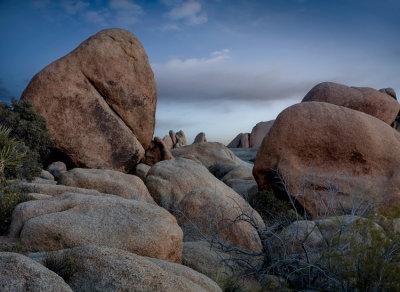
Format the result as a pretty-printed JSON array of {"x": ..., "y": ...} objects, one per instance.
[{"x": 221, "y": 66}]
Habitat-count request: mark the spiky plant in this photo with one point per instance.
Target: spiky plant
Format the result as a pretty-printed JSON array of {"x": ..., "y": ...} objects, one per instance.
[{"x": 10, "y": 156}]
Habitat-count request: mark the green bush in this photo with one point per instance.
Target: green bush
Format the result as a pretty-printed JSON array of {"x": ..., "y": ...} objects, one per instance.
[
  {"x": 10, "y": 154},
  {"x": 10, "y": 197},
  {"x": 30, "y": 128}
]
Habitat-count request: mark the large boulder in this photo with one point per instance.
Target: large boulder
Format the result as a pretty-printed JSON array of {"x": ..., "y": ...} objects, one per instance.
[
  {"x": 110, "y": 269},
  {"x": 188, "y": 189},
  {"x": 169, "y": 181},
  {"x": 242, "y": 140},
  {"x": 99, "y": 101},
  {"x": 259, "y": 132},
  {"x": 364, "y": 99},
  {"x": 19, "y": 273},
  {"x": 220, "y": 217},
  {"x": 213, "y": 155},
  {"x": 72, "y": 220},
  {"x": 341, "y": 157},
  {"x": 107, "y": 181}
]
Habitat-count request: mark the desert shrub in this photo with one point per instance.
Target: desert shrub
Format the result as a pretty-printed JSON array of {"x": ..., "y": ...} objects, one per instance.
[
  {"x": 10, "y": 197},
  {"x": 272, "y": 209},
  {"x": 10, "y": 154},
  {"x": 30, "y": 128},
  {"x": 64, "y": 264}
]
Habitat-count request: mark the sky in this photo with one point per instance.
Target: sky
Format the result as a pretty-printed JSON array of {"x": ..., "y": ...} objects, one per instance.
[{"x": 221, "y": 66}]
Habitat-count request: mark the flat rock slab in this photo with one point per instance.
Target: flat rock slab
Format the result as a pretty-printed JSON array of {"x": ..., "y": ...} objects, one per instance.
[{"x": 71, "y": 220}]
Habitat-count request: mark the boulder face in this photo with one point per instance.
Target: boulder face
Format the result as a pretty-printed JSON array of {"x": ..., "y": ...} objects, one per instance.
[
  {"x": 215, "y": 216},
  {"x": 383, "y": 106},
  {"x": 71, "y": 220},
  {"x": 110, "y": 269},
  {"x": 107, "y": 181},
  {"x": 242, "y": 140},
  {"x": 259, "y": 132},
  {"x": 340, "y": 156},
  {"x": 99, "y": 101},
  {"x": 200, "y": 138},
  {"x": 19, "y": 273}
]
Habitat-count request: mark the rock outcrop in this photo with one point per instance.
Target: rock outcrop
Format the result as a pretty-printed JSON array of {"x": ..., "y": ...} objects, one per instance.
[
  {"x": 99, "y": 101},
  {"x": 242, "y": 140},
  {"x": 363, "y": 99},
  {"x": 180, "y": 139},
  {"x": 200, "y": 138},
  {"x": 19, "y": 273},
  {"x": 187, "y": 188},
  {"x": 72, "y": 220},
  {"x": 109, "y": 182},
  {"x": 340, "y": 156},
  {"x": 156, "y": 152},
  {"x": 258, "y": 133},
  {"x": 213, "y": 155}
]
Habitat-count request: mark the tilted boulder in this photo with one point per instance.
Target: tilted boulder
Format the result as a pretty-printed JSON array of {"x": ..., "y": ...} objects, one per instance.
[
  {"x": 107, "y": 181},
  {"x": 258, "y": 133},
  {"x": 72, "y": 220},
  {"x": 180, "y": 139},
  {"x": 242, "y": 140},
  {"x": 389, "y": 91},
  {"x": 172, "y": 181},
  {"x": 156, "y": 152},
  {"x": 200, "y": 138},
  {"x": 363, "y": 99},
  {"x": 111, "y": 269},
  {"x": 168, "y": 142},
  {"x": 19, "y": 273},
  {"x": 213, "y": 155},
  {"x": 340, "y": 157},
  {"x": 99, "y": 101}
]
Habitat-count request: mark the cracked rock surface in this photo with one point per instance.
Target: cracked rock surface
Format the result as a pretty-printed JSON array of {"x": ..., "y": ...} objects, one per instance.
[{"x": 99, "y": 101}]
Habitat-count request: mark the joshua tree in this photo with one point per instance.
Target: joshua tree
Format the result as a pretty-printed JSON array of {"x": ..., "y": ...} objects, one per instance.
[{"x": 10, "y": 156}]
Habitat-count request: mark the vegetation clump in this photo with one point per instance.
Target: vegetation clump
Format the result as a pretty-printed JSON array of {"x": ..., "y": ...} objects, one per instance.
[
  {"x": 64, "y": 265},
  {"x": 30, "y": 129},
  {"x": 272, "y": 209},
  {"x": 10, "y": 197}
]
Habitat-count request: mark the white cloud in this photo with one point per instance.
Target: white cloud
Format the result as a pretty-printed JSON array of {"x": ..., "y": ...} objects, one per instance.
[
  {"x": 126, "y": 11},
  {"x": 217, "y": 78},
  {"x": 214, "y": 58},
  {"x": 167, "y": 27},
  {"x": 98, "y": 17},
  {"x": 74, "y": 6},
  {"x": 190, "y": 11}
]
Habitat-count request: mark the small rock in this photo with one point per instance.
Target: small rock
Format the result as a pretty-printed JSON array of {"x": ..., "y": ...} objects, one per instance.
[
  {"x": 200, "y": 138},
  {"x": 46, "y": 175}
]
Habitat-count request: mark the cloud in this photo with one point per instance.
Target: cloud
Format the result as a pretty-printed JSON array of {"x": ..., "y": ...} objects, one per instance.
[
  {"x": 168, "y": 27},
  {"x": 113, "y": 13},
  {"x": 73, "y": 7},
  {"x": 215, "y": 57},
  {"x": 126, "y": 11},
  {"x": 189, "y": 11},
  {"x": 215, "y": 78}
]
